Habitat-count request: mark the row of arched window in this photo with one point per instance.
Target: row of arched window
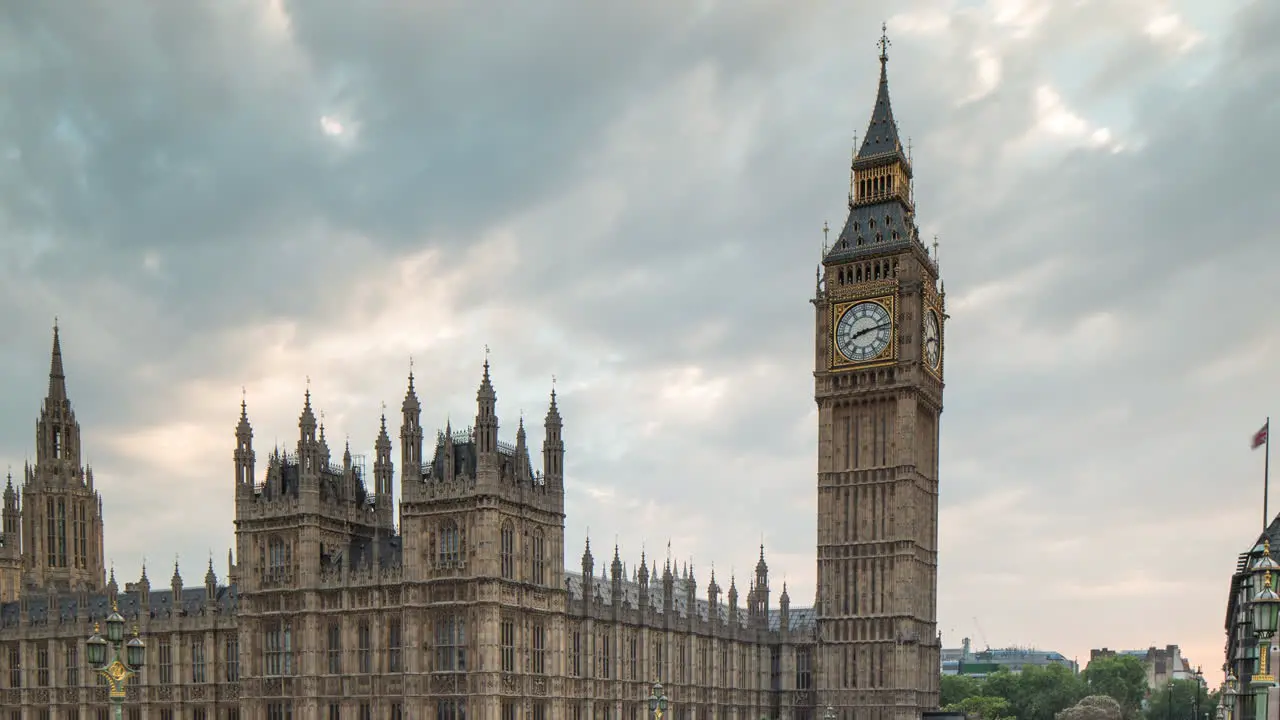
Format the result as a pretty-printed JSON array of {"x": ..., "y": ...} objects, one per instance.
[
  {"x": 862, "y": 272},
  {"x": 537, "y": 553}
]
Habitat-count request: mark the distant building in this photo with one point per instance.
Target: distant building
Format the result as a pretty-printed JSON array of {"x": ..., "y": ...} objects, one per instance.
[
  {"x": 964, "y": 661},
  {"x": 1162, "y": 664}
]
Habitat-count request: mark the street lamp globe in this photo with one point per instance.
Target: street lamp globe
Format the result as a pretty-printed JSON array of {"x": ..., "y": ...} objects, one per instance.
[
  {"x": 1266, "y": 609},
  {"x": 115, "y": 627},
  {"x": 135, "y": 651},
  {"x": 96, "y": 649},
  {"x": 1264, "y": 564}
]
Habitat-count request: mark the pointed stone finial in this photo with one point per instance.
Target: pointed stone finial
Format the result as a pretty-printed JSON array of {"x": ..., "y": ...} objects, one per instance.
[{"x": 884, "y": 42}]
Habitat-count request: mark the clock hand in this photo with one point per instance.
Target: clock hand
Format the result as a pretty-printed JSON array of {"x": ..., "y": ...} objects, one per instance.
[{"x": 873, "y": 328}]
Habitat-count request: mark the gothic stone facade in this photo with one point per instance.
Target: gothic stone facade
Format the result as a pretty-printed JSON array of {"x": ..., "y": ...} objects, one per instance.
[{"x": 466, "y": 609}]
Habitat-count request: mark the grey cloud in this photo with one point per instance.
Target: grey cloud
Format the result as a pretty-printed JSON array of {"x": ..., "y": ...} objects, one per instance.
[{"x": 187, "y": 134}]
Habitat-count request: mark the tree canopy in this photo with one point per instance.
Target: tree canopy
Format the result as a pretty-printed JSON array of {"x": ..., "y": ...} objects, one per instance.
[{"x": 1054, "y": 692}]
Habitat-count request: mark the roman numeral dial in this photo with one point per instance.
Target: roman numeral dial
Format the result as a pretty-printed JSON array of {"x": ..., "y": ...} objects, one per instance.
[{"x": 864, "y": 331}]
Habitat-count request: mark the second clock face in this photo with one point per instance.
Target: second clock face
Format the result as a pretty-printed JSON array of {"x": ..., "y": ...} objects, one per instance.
[
  {"x": 864, "y": 331},
  {"x": 932, "y": 340}
]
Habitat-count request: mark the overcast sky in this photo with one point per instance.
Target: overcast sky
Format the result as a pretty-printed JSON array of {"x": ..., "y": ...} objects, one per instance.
[{"x": 630, "y": 197}]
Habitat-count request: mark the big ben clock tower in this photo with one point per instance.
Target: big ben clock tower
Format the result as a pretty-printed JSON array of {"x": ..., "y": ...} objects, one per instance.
[{"x": 878, "y": 384}]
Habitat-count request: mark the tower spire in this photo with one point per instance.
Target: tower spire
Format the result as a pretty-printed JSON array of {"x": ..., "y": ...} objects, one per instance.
[
  {"x": 882, "y": 132},
  {"x": 57, "y": 378},
  {"x": 881, "y": 209}
]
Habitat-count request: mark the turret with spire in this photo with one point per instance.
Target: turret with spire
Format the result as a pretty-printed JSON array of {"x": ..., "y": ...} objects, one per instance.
[
  {"x": 760, "y": 591},
  {"x": 642, "y": 581},
  {"x": 588, "y": 575},
  {"x": 522, "y": 454},
  {"x": 713, "y": 599},
  {"x": 210, "y": 585},
  {"x": 58, "y": 433},
  {"x": 9, "y": 519},
  {"x": 615, "y": 580},
  {"x": 175, "y": 585},
  {"x": 410, "y": 435},
  {"x": 308, "y": 441},
  {"x": 69, "y": 554},
  {"x": 733, "y": 600},
  {"x": 244, "y": 456},
  {"x": 144, "y": 588},
  {"x": 881, "y": 207},
  {"x": 383, "y": 472},
  {"x": 486, "y": 438},
  {"x": 553, "y": 445}
]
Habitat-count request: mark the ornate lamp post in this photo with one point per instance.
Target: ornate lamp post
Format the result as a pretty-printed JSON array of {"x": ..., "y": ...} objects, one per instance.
[
  {"x": 1199, "y": 682},
  {"x": 115, "y": 659},
  {"x": 1229, "y": 692},
  {"x": 657, "y": 701},
  {"x": 1266, "y": 612}
]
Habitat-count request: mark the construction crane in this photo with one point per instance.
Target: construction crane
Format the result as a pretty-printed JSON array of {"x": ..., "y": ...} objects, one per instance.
[{"x": 981, "y": 633}]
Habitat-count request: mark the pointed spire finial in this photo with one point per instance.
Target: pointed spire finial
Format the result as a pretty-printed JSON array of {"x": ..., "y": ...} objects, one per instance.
[
  {"x": 244, "y": 397},
  {"x": 884, "y": 42},
  {"x": 57, "y": 378},
  {"x": 935, "y": 250}
]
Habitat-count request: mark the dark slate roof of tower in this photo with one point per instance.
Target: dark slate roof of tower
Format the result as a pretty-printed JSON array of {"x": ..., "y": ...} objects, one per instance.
[
  {"x": 882, "y": 132},
  {"x": 883, "y": 227},
  {"x": 466, "y": 458}
]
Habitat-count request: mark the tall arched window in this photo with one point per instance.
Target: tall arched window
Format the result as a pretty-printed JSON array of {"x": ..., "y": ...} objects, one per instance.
[
  {"x": 538, "y": 559},
  {"x": 507, "y": 549},
  {"x": 450, "y": 546}
]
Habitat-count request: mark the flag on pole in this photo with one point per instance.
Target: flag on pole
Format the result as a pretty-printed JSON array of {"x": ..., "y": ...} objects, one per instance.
[{"x": 1260, "y": 437}]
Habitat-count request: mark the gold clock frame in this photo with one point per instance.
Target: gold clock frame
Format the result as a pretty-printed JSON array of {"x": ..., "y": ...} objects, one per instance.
[
  {"x": 930, "y": 307},
  {"x": 837, "y": 361}
]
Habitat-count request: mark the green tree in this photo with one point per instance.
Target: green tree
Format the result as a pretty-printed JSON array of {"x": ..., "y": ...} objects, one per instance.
[
  {"x": 1094, "y": 707},
  {"x": 1177, "y": 701},
  {"x": 1121, "y": 678},
  {"x": 1037, "y": 693},
  {"x": 955, "y": 688},
  {"x": 983, "y": 707}
]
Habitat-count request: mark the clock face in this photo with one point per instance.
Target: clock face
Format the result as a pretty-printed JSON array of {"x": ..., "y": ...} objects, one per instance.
[
  {"x": 864, "y": 331},
  {"x": 932, "y": 340}
]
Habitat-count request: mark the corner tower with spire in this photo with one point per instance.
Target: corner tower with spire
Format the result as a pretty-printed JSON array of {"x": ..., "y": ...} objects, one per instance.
[
  {"x": 878, "y": 386},
  {"x": 61, "y": 512}
]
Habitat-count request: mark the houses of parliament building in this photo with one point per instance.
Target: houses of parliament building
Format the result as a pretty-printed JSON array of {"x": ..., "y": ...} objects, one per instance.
[{"x": 458, "y": 603}]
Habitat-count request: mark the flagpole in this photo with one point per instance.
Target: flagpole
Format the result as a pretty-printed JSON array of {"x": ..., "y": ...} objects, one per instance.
[{"x": 1266, "y": 473}]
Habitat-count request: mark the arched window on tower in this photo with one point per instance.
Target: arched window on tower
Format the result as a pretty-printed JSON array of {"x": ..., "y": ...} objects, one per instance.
[
  {"x": 537, "y": 556},
  {"x": 57, "y": 443},
  {"x": 277, "y": 560},
  {"x": 450, "y": 544},
  {"x": 507, "y": 550}
]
